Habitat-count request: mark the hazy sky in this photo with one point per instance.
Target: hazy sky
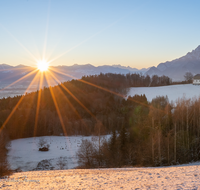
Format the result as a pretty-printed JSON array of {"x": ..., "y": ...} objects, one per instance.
[{"x": 136, "y": 33}]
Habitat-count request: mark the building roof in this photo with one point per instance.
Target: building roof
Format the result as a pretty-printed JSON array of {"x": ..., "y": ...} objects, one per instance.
[{"x": 196, "y": 76}]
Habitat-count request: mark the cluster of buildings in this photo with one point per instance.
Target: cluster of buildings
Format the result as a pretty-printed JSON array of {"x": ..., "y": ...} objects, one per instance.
[{"x": 196, "y": 79}]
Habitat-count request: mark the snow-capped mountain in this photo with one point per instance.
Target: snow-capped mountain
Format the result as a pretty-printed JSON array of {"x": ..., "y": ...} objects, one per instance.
[{"x": 177, "y": 68}]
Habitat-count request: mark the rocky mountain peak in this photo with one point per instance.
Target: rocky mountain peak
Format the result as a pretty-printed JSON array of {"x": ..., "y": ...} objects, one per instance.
[{"x": 176, "y": 68}]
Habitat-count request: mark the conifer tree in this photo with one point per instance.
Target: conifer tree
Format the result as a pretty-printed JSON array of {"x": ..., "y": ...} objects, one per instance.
[
  {"x": 4, "y": 165},
  {"x": 122, "y": 145},
  {"x": 113, "y": 149}
]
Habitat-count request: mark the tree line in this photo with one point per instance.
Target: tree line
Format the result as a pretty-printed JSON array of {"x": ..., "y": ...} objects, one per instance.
[{"x": 161, "y": 134}]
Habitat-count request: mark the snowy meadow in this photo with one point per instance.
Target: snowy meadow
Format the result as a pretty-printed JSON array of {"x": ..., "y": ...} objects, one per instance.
[
  {"x": 24, "y": 154},
  {"x": 176, "y": 177},
  {"x": 173, "y": 92}
]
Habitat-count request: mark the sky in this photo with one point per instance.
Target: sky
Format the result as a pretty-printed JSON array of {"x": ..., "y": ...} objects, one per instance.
[{"x": 135, "y": 33}]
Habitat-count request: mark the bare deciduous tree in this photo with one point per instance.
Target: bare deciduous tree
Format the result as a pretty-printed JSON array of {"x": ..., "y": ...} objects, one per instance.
[
  {"x": 62, "y": 163},
  {"x": 85, "y": 154},
  {"x": 188, "y": 76}
]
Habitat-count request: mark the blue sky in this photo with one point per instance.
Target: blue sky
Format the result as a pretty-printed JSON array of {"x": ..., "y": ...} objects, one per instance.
[{"x": 136, "y": 33}]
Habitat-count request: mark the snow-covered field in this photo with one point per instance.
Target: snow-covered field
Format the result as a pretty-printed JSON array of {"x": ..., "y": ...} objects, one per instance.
[
  {"x": 177, "y": 177},
  {"x": 173, "y": 92},
  {"x": 24, "y": 155}
]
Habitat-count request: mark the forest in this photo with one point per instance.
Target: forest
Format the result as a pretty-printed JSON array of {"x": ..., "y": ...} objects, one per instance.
[
  {"x": 78, "y": 103},
  {"x": 142, "y": 133}
]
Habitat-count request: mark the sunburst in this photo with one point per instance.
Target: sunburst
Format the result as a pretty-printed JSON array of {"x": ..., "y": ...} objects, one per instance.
[{"x": 42, "y": 65}]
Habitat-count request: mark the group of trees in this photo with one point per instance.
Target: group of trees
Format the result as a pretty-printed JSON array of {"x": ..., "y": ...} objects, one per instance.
[
  {"x": 160, "y": 134},
  {"x": 188, "y": 77},
  {"x": 119, "y": 81}
]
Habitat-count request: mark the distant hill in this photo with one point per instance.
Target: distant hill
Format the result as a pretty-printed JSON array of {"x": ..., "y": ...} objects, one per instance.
[
  {"x": 143, "y": 70},
  {"x": 10, "y": 74},
  {"x": 177, "y": 68}
]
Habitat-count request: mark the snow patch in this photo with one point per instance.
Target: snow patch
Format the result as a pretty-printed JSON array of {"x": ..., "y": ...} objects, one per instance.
[
  {"x": 174, "y": 92},
  {"x": 24, "y": 155}
]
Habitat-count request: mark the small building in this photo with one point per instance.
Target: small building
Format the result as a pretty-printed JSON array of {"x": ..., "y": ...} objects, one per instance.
[{"x": 196, "y": 79}]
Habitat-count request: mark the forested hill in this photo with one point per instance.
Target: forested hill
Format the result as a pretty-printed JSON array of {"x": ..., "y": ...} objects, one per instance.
[
  {"x": 78, "y": 103},
  {"x": 118, "y": 81}
]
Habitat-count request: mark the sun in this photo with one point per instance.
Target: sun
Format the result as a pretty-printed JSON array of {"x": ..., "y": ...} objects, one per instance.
[{"x": 43, "y": 65}]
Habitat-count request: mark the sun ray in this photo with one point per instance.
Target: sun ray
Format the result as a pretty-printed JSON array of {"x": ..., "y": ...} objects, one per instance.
[
  {"x": 19, "y": 79},
  {"x": 107, "y": 90},
  {"x": 59, "y": 113},
  {"x": 25, "y": 69},
  {"x": 13, "y": 69},
  {"x": 38, "y": 104},
  {"x": 56, "y": 105},
  {"x": 74, "y": 97},
  {"x": 46, "y": 31},
  {"x": 91, "y": 84},
  {"x": 18, "y": 42},
  {"x": 50, "y": 52},
  {"x": 87, "y": 39},
  {"x": 65, "y": 74},
  {"x": 49, "y": 72},
  {"x": 95, "y": 34},
  {"x": 72, "y": 107},
  {"x": 16, "y": 106},
  {"x": 30, "y": 102},
  {"x": 14, "y": 75}
]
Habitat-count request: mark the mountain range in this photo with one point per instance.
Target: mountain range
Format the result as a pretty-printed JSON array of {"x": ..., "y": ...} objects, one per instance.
[
  {"x": 177, "y": 68},
  {"x": 10, "y": 74},
  {"x": 174, "y": 69}
]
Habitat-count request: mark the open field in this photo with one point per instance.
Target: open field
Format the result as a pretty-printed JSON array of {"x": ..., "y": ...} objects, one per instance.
[
  {"x": 24, "y": 155},
  {"x": 173, "y": 91},
  {"x": 174, "y": 177}
]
